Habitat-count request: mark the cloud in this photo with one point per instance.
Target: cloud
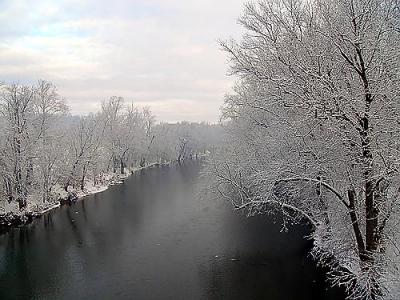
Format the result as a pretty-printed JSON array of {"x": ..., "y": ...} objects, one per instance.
[{"x": 156, "y": 52}]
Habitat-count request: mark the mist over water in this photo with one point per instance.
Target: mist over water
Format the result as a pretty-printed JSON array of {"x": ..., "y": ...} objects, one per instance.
[{"x": 154, "y": 237}]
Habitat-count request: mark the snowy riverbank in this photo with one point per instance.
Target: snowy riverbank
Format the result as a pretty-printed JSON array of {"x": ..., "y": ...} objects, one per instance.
[{"x": 11, "y": 216}]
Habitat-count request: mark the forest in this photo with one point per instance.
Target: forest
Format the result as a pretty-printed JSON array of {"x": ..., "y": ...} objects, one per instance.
[{"x": 49, "y": 155}]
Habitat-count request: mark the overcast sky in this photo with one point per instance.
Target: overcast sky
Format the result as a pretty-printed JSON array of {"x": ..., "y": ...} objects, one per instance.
[{"x": 161, "y": 53}]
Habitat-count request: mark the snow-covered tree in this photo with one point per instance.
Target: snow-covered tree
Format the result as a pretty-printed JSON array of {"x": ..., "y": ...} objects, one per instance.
[
  {"x": 112, "y": 111},
  {"x": 16, "y": 104},
  {"x": 47, "y": 136},
  {"x": 83, "y": 144},
  {"x": 314, "y": 131},
  {"x": 47, "y": 155}
]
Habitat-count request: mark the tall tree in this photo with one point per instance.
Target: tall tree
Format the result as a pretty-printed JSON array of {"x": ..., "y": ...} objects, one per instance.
[
  {"x": 48, "y": 108},
  {"x": 314, "y": 130},
  {"x": 16, "y": 107}
]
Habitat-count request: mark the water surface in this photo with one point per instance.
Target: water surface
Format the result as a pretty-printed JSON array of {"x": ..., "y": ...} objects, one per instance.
[{"x": 155, "y": 238}]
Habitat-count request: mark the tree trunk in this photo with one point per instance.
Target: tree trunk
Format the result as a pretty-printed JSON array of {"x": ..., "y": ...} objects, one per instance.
[
  {"x": 142, "y": 162},
  {"x": 371, "y": 210},
  {"x": 356, "y": 225},
  {"x": 115, "y": 163},
  {"x": 45, "y": 188},
  {"x": 21, "y": 197},
  {"x": 83, "y": 177},
  {"x": 94, "y": 178},
  {"x": 8, "y": 189},
  {"x": 122, "y": 166},
  {"x": 370, "y": 207},
  {"x": 372, "y": 218},
  {"x": 72, "y": 173},
  {"x": 29, "y": 172}
]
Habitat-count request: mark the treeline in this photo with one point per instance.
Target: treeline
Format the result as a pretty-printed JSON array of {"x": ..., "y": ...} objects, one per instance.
[{"x": 44, "y": 149}]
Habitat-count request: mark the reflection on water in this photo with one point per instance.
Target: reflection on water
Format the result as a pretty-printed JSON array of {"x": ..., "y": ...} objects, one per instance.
[{"x": 154, "y": 238}]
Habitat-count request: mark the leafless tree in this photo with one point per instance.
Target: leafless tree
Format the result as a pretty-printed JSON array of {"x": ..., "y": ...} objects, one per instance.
[
  {"x": 314, "y": 131},
  {"x": 15, "y": 106}
]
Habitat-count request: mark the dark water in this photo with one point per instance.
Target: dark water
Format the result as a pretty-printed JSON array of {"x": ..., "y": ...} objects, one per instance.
[{"x": 154, "y": 238}]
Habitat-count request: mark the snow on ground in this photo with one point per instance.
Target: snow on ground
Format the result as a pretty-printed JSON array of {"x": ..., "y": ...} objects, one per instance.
[{"x": 36, "y": 207}]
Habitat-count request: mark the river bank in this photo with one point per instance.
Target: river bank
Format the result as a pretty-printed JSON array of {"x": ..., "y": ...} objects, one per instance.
[
  {"x": 11, "y": 216},
  {"x": 158, "y": 236}
]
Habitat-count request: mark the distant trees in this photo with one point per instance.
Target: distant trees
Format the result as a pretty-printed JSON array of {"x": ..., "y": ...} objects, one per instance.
[
  {"x": 314, "y": 131},
  {"x": 46, "y": 152},
  {"x": 181, "y": 141}
]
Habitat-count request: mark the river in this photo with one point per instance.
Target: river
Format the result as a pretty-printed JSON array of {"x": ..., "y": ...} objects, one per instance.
[{"x": 157, "y": 236}]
